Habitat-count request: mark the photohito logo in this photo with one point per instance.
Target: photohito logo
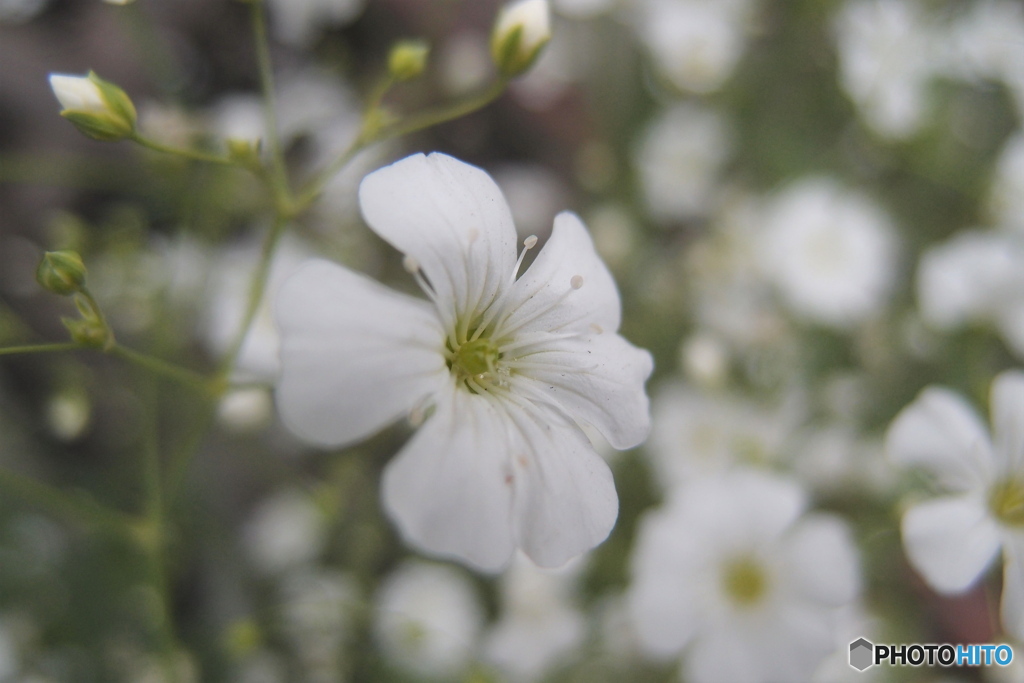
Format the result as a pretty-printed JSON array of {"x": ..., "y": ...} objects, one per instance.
[{"x": 864, "y": 654}]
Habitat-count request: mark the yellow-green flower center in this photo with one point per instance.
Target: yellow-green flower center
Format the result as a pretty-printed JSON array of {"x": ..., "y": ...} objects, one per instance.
[
  {"x": 1006, "y": 500},
  {"x": 475, "y": 359},
  {"x": 745, "y": 581}
]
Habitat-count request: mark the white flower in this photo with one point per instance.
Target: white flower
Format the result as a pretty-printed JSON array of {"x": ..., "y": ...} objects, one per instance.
[
  {"x": 830, "y": 252},
  {"x": 886, "y": 57},
  {"x": 951, "y": 540},
  {"x": 700, "y": 433},
  {"x": 539, "y": 624},
  {"x": 679, "y": 158},
  {"x": 502, "y": 369},
  {"x": 975, "y": 277},
  {"x": 427, "y": 618},
  {"x": 297, "y": 22},
  {"x": 285, "y": 531},
  {"x": 228, "y": 296},
  {"x": 696, "y": 43},
  {"x": 731, "y": 572},
  {"x": 1006, "y": 196}
]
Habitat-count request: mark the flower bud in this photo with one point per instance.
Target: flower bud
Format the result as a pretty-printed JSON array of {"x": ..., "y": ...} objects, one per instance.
[
  {"x": 88, "y": 332},
  {"x": 245, "y": 152},
  {"x": 61, "y": 272},
  {"x": 96, "y": 107},
  {"x": 408, "y": 59},
  {"x": 522, "y": 29}
]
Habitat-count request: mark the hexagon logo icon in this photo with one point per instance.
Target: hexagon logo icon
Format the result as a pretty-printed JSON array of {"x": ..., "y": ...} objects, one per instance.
[{"x": 861, "y": 654}]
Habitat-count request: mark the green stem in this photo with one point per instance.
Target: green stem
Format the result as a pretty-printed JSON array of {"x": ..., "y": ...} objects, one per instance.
[
  {"x": 433, "y": 117},
  {"x": 256, "y": 290},
  {"x": 71, "y": 508},
  {"x": 39, "y": 348},
  {"x": 370, "y": 135},
  {"x": 279, "y": 175},
  {"x": 183, "y": 376},
  {"x": 192, "y": 154}
]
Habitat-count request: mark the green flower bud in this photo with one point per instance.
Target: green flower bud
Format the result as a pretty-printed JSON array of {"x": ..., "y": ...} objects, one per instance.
[
  {"x": 521, "y": 31},
  {"x": 61, "y": 272},
  {"x": 96, "y": 107},
  {"x": 244, "y": 152},
  {"x": 408, "y": 59},
  {"x": 89, "y": 332}
]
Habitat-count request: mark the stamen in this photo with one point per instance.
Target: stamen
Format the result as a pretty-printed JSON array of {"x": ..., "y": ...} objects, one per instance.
[
  {"x": 474, "y": 234},
  {"x": 528, "y": 244},
  {"x": 498, "y": 305},
  {"x": 410, "y": 264},
  {"x": 576, "y": 282}
]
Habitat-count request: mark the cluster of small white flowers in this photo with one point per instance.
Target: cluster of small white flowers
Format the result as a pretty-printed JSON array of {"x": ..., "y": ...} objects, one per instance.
[{"x": 890, "y": 51}]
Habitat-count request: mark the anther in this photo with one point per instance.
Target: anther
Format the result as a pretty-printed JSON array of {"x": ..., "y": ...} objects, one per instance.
[
  {"x": 473, "y": 235},
  {"x": 530, "y": 242},
  {"x": 576, "y": 282},
  {"x": 410, "y": 264}
]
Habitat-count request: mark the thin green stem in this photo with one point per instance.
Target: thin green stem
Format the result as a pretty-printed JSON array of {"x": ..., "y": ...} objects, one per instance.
[
  {"x": 76, "y": 509},
  {"x": 182, "y": 457},
  {"x": 183, "y": 376},
  {"x": 373, "y": 133},
  {"x": 191, "y": 154},
  {"x": 433, "y": 117},
  {"x": 39, "y": 348},
  {"x": 256, "y": 289},
  {"x": 279, "y": 175}
]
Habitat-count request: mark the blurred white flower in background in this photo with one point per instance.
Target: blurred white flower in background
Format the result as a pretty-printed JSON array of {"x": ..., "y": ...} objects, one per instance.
[
  {"x": 1006, "y": 195},
  {"x": 540, "y": 625},
  {"x": 285, "y": 531},
  {"x": 735, "y": 574},
  {"x": 427, "y": 618},
  {"x": 975, "y": 278},
  {"x": 696, "y": 44},
  {"x": 228, "y": 296},
  {"x": 298, "y": 21},
  {"x": 695, "y": 434},
  {"x": 887, "y": 54},
  {"x": 679, "y": 158},
  {"x": 984, "y": 43},
  {"x": 498, "y": 369},
  {"x": 20, "y": 11},
  {"x": 318, "y": 609},
  {"x": 830, "y": 251},
  {"x": 952, "y": 539}
]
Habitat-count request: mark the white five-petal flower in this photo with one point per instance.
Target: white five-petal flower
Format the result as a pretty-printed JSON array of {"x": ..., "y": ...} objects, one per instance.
[
  {"x": 502, "y": 369},
  {"x": 952, "y": 539},
  {"x": 733, "y": 572}
]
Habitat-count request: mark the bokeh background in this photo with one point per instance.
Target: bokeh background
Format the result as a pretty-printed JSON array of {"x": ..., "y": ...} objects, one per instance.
[{"x": 813, "y": 209}]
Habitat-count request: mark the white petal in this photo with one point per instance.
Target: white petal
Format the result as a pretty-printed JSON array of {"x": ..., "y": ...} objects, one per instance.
[
  {"x": 565, "y": 501},
  {"x": 599, "y": 380},
  {"x": 1007, "y": 406},
  {"x": 449, "y": 217},
  {"x": 940, "y": 432},
  {"x": 355, "y": 355},
  {"x": 950, "y": 541},
  {"x": 822, "y": 560},
  {"x": 78, "y": 93},
  {"x": 721, "y": 656},
  {"x": 1013, "y": 587},
  {"x": 567, "y": 289},
  {"x": 449, "y": 489}
]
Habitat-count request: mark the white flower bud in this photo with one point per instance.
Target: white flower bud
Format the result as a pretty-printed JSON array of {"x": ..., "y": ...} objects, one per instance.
[
  {"x": 522, "y": 29},
  {"x": 96, "y": 107}
]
